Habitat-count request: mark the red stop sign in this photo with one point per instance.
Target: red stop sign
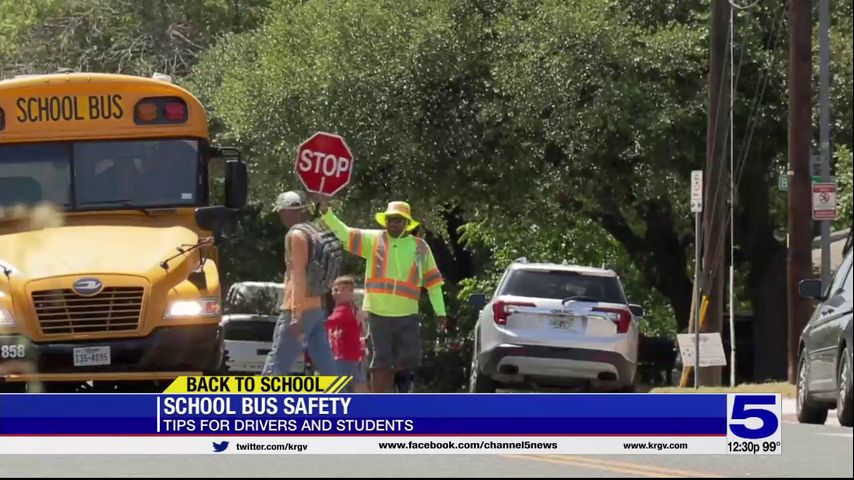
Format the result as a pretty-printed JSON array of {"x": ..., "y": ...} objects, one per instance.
[{"x": 324, "y": 163}]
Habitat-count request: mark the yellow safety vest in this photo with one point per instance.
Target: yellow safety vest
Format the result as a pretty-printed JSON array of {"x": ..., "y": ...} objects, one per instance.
[{"x": 396, "y": 271}]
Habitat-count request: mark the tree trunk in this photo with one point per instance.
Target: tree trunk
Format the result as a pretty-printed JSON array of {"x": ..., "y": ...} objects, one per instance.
[
  {"x": 766, "y": 259},
  {"x": 659, "y": 255},
  {"x": 453, "y": 260},
  {"x": 768, "y": 294}
]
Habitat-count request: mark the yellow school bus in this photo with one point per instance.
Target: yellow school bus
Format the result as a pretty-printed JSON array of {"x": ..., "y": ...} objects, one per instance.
[{"x": 125, "y": 286}]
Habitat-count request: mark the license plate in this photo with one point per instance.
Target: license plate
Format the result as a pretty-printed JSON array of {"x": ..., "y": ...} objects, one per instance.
[
  {"x": 91, "y": 356},
  {"x": 565, "y": 323}
]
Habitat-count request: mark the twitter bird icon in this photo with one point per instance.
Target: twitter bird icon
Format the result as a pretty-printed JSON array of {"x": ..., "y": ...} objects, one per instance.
[{"x": 220, "y": 447}]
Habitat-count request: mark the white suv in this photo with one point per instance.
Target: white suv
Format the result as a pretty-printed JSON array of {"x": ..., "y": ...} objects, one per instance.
[
  {"x": 251, "y": 312},
  {"x": 555, "y": 325}
]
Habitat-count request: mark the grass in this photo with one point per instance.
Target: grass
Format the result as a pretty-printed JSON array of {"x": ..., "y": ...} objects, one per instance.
[{"x": 786, "y": 389}]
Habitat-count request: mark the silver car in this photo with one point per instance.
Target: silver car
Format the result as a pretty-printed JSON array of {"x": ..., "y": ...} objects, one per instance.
[{"x": 825, "y": 350}]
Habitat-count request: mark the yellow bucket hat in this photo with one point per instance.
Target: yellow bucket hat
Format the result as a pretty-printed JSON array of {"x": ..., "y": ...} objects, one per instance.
[{"x": 398, "y": 208}]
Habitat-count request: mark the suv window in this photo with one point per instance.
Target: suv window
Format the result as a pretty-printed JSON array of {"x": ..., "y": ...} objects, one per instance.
[
  {"x": 561, "y": 284},
  {"x": 245, "y": 299}
]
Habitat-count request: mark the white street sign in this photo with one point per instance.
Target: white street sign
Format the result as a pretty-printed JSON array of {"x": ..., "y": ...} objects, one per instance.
[
  {"x": 824, "y": 200},
  {"x": 711, "y": 349},
  {"x": 696, "y": 191}
]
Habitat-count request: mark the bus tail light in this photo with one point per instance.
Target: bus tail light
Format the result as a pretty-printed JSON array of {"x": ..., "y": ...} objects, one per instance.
[
  {"x": 175, "y": 111},
  {"x": 160, "y": 110},
  {"x": 146, "y": 112}
]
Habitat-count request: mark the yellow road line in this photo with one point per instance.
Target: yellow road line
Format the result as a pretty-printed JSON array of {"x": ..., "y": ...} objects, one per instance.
[
  {"x": 575, "y": 463},
  {"x": 614, "y": 466}
]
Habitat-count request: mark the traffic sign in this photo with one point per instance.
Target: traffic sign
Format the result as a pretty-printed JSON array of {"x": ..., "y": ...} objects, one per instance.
[
  {"x": 696, "y": 191},
  {"x": 824, "y": 200},
  {"x": 324, "y": 163},
  {"x": 783, "y": 182}
]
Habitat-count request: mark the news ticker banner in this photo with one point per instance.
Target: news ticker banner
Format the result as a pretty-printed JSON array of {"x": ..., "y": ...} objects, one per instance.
[{"x": 306, "y": 423}]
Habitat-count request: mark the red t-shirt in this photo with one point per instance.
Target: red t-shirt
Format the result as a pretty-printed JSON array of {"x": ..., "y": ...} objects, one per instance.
[{"x": 342, "y": 327}]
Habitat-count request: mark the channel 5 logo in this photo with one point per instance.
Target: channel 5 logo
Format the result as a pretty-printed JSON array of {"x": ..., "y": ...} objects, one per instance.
[{"x": 754, "y": 417}]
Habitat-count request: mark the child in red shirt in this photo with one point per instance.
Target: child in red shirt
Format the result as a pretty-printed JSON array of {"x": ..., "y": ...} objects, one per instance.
[{"x": 345, "y": 334}]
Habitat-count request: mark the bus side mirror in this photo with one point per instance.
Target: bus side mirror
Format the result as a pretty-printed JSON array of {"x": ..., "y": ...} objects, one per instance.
[
  {"x": 236, "y": 176},
  {"x": 214, "y": 219},
  {"x": 236, "y": 184}
]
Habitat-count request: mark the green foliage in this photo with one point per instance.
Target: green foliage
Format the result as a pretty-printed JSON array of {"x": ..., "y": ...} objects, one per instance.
[
  {"x": 562, "y": 130},
  {"x": 253, "y": 249},
  {"x": 499, "y": 101},
  {"x": 844, "y": 199},
  {"x": 116, "y": 36}
]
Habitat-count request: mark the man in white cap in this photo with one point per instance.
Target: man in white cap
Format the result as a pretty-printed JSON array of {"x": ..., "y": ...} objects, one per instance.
[
  {"x": 302, "y": 314},
  {"x": 399, "y": 265}
]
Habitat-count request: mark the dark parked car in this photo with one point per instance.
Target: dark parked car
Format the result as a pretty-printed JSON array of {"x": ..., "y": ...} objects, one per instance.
[{"x": 824, "y": 361}]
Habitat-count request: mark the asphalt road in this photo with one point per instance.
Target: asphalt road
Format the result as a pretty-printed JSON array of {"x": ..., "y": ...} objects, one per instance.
[{"x": 808, "y": 451}]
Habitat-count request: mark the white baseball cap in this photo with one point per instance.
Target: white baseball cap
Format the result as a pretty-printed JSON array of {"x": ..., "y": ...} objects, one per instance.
[{"x": 293, "y": 200}]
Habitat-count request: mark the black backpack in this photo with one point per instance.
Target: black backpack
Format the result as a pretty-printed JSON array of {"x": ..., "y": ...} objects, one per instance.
[{"x": 325, "y": 258}]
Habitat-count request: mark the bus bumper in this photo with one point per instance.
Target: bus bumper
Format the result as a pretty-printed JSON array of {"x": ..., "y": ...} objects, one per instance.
[{"x": 167, "y": 353}]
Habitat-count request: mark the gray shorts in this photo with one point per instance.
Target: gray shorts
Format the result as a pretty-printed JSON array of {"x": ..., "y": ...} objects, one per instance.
[{"x": 395, "y": 342}]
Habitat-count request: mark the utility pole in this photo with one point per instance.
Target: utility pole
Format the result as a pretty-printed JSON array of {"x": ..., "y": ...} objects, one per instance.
[
  {"x": 715, "y": 210},
  {"x": 800, "y": 198},
  {"x": 824, "y": 126}
]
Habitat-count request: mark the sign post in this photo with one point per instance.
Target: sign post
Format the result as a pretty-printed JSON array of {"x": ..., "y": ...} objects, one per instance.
[
  {"x": 324, "y": 163},
  {"x": 697, "y": 209}
]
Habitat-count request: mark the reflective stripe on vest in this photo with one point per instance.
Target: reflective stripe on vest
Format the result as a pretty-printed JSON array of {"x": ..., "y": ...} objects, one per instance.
[
  {"x": 432, "y": 278},
  {"x": 418, "y": 264},
  {"x": 390, "y": 287},
  {"x": 380, "y": 256},
  {"x": 356, "y": 242}
]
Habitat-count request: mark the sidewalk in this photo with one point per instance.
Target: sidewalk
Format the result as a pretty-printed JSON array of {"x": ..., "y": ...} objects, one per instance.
[{"x": 790, "y": 412}]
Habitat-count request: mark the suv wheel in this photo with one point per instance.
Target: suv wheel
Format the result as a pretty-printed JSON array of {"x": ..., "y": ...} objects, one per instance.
[
  {"x": 478, "y": 381},
  {"x": 808, "y": 411},
  {"x": 844, "y": 397}
]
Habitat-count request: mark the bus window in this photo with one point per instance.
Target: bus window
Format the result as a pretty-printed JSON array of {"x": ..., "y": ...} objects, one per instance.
[
  {"x": 31, "y": 174},
  {"x": 140, "y": 173}
]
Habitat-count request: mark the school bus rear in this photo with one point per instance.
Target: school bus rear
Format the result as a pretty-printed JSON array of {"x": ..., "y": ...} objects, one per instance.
[{"x": 122, "y": 282}]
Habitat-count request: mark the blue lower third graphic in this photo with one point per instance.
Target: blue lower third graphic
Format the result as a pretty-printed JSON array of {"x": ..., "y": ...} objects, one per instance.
[{"x": 365, "y": 415}]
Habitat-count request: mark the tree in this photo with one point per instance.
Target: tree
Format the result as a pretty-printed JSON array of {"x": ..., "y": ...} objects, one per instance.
[
  {"x": 116, "y": 36},
  {"x": 843, "y": 169},
  {"x": 431, "y": 91},
  {"x": 560, "y": 129}
]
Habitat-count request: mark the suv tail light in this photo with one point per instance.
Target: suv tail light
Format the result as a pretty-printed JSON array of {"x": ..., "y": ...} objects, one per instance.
[
  {"x": 622, "y": 317},
  {"x": 501, "y": 310}
]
